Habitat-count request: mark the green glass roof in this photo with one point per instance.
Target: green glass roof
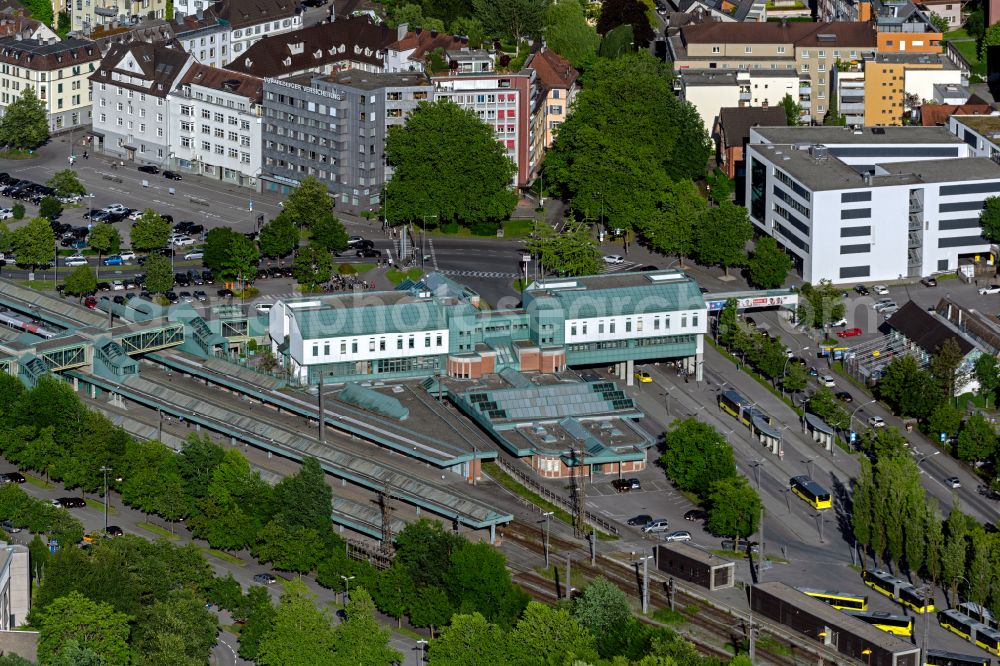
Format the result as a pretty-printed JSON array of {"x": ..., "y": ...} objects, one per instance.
[
  {"x": 614, "y": 294},
  {"x": 373, "y": 401},
  {"x": 373, "y": 316}
]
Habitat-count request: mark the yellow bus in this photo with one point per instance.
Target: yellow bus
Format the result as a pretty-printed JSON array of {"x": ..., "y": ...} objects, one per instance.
[{"x": 811, "y": 492}]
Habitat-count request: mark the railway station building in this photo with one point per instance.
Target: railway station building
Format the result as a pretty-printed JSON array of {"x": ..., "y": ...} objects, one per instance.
[{"x": 436, "y": 327}]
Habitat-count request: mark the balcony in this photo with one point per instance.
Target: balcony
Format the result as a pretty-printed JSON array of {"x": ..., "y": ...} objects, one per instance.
[
  {"x": 109, "y": 12},
  {"x": 916, "y": 222},
  {"x": 852, "y": 108},
  {"x": 805, "y": 103},
  {"x": 916, "y": 206},
  {"x": 745, "y": 96},
  {"x": 914, "y": 239},
  {"x": 805, "y": 90}
]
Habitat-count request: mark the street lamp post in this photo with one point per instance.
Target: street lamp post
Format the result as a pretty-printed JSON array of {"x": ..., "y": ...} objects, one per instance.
[
  {"x": 809, "y": 466},
  {"x": 645, "y": 582},
  {"x": 756, "y": 464},
  {"x": 104, "y": 470},
  {"x": 819, "y": 519},
  {"x": 420, "y": 651},
  {"x": 546, "y": 515},
  {"x": 856, "y": 410},
  {"x": 347, "y": 586},
  {"x": 423, "y": 235}
]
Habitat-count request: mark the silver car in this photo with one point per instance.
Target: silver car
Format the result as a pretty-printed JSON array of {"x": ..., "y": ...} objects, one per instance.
[
  {"x": 680, "y": 535},
  {"x": 658, "y": 525}
]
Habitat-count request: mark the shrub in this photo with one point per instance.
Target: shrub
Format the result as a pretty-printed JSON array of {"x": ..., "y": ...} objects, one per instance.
[
  {"x": 346, "y": 269},
  {"x": 18, "y": 211},
  {"x": 484, "y": 229}
]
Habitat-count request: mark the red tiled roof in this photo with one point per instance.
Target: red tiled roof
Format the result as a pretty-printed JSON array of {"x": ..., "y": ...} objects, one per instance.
[
  {"x": 837, "y": 33},
  {"x": 225, "y": 80},
  {"x": 938, "y": 114},
  {"x": 552, "y": 69},
  {"x": 427, "y": 41}
]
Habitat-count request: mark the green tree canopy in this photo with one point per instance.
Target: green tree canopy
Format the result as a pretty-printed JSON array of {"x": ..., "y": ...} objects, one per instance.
[
  {"x": 469, "y": 641},
  {"x": 573, "y": 251},
  {"x": 989, "y": 217},
  {"x": 977, "y": 440},
  {"x": 602, "y": 608},
  {"x": 34, "y": 244},
  {"x": 279, "y": 237},
  {"x": 301, "y": 634},
  {"x": 990, "y": 38},
  {"x": 308, "y": 202},
  {"x": 547, "y": 635},
  {"x": 478, "y": 579},
  {"x": 823, "y": 404},
  {"x": 517, "y": 19},
  {"x": 219, "y": 242},
  {"x": 241, "y": 259},
  {"x": 25, "y": 124},
  {"x": 820, "y": 304},
  {"x": 150, "y": 231},
  {"x": 696, "y": 455},
  {"x": 909, "y": 389},
  {"x": 944, "y": 365},
  {"x": 50, "y": 208},
  {"x": 671, "y": 229},
  {"x": 66, "y": 183},
  {"x": 448, "y": 163},
  {"x": 987, "y": 374},
  {"x": 568, "y": 33},
  {"x": 328, "y": 233},
  {"x": 360, "y": 640},
  {"x": 312, "y": 266},
  {"x": 96, "y": 626},
  {"x": 615, "y": 13},
  {"x": 769, "y": 264},
  {"x": 425, "y": 549},
  {"x": 733, "y": 507},
  {"x": 81, "y": 281},
  {"x": 721, "y": 238},
  {"x": 792, "y": 110},
  {"x": 159, "y": 277},
  {"x": 303, "y": 499},
  {"x": 105, "y": 239}
]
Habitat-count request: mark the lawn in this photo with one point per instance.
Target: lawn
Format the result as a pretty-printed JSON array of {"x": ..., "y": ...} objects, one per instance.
[
  {"x": 40, "y": 285},
  {"x": 225, "y": 557},
  {"x": 16, "y": 154},
  {"x": 159, "y": 531},
  {"x": 99, "y": 505},
  {"x": 517, "y": 228},
  {"x": 396, "y": 276},
  {"x": 38, "y": 483}
]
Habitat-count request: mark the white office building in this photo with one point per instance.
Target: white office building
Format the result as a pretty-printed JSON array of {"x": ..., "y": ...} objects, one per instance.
[{"x": 868, "y": 205}]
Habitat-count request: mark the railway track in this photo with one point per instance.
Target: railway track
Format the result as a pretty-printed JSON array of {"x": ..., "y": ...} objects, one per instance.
[{"x": 701, "y": 618}]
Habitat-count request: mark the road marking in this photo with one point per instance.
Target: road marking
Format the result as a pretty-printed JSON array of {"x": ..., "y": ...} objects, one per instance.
[
  {"x": 434, "y": 259},
  {"x": 482, "y": 274}
]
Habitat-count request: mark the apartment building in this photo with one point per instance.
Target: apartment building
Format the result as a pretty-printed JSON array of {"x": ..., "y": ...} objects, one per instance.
[
  {"x": 216, "y": 125},
  {"x": 897, "y": 83},
  {"x": 810, "y": 49},
  {"x": 950, "y": 10},
  {"x": 131, "y": 87},
  {"x": 980, "y": 132},
  {"x": 558, "y": 78},
  {"x": 873, "y": 204},
  {"x": 507, "y": 101},
  {"x": 205, "y": 36},
  {"x": 333, "y": 128},
  {"x": 86, "y": 16},
  {"x": 353, "y": 43},
  {"x": 710, "y": 90},
  {"x": 58, "y": 71}
]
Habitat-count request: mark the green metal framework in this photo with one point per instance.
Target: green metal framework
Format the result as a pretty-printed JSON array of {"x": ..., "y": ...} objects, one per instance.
[
  {"x": 64, "y": 358},
  {"x": 116, "y": 360},
  {"x": 151, "y": 339},
  {"x": 32, "y": 370},
  {"x": 235, "y": 328},
  {"x": 6, "y": 365}
]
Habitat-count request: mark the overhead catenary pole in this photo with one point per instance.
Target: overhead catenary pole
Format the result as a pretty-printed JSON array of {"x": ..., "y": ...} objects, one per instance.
[{"x": 322, "y": 412}]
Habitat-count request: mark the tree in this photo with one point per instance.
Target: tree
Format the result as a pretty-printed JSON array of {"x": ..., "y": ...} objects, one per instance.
[
  {"x": 34, "y": 243},
  {"x": 574, "y": 251},
  {"x": 696, "y": 455},
  {"x": 568, "y": 33},
  {"x": 150, "y": 232},
  {"x": 988, "y": 375},
  {"x": 977, "y": 439},
  {"x": 308, "y": 202},
  {"x": 430, "y": 607},
  {"x": 975, "y": 23},
  {"x": 25, "y": 125},
  {"x": 71, "y": 654},
  {"x": 312, "y": 266},
  {"x": 769, "y": 264},
  {"x": 279, "y": 237},
  {"x": 909, "y": 389},
  {"x": 50, "y": 208},
  {"x": 722, "y": 236},
  {"x": 672, "y": 229},
  {"x": 601, "y": 608},
  {"x": 174, "y": 629},
  {"x": 979, "y": 569},
  {"x": 991, "y": 37},
  {"x": 425, "y": 548},
  {"x": 105, "y": 239},
  {"x": 823, "y": 404},
  {"x": 939, "y": 22},
  {"x": 360, "y": 640},
  {"x": 517, "y": 19},
  {"x": 470, "y": 27},
  {"x": 820, "y": 304},
  {"x": 241, "y": 259},
  {"x": 792, "y": 110},
  {"x": 93, "y": 625},
  {"x": 159, "y": 277},
  {"x": 953, "y": 551},
  {"x": 989, "y": 217},
  {"x": 259, "y": 615},
  {"x": 862, "y": 507},
  {"x": 328, "y": 233},
  {"x": 469, "y": 641},
  {"x": 728, "y": 325},
  {"x": 392, "y": 591},
  {"x": 81, "y": 281},
  {"x": 301, "y": 634},
  {"x": 934, "y": 540},
  {"x": 796, "y": 378},
  {"x": 448, "y": 163},
  {"x": 303, "y": 499},
  {"x": 615, "y": 13},
  {"x": 38, "y": 556},
  {"x": 734, "y": 507},
  {"x": 66, "y": 183},
  {"x": 946, "y": 419},
  {"x": 478, "y": 579},
  {"x": 944, "y": 365},
  {"x": 546, "y": 635},
  {"x": 218, "y": 247}
]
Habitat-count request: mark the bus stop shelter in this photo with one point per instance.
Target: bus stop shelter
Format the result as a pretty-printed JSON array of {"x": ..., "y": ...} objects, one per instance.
[{"x": 818, "y": 429}]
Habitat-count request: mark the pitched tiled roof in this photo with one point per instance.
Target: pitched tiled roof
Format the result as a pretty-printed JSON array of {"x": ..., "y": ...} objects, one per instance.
[
  {"x": 938, "y": 114},
  {"x": 354, "y": 39},
  {"x": 926, "y": 330},
  {"x": 241, "y": 13},
  {"x": 838, "y": 33},
  {"x": 39, "y": 55},
  {"x": 225, "y": 80},
  {"x": 737, "y": 121},
  {"x": 12, "y": 25},
  {"x": 552, "y": 69},
  {"x": 156, "y": 31},
  {"x": 424, "y": 41},
  {"x": 159, "y": 63}
]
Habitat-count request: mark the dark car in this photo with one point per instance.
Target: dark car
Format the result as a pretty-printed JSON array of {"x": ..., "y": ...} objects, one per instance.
[
  {"x": 988, "y": 492},
  {"x": 195, "y": 230},
  {"x": 265, "y": 578},
  {"x": 71, "y": 502},
  {"x": 208, "y": 277},
  {"x": 119, "y": 300},
  {"x": 369, "y": 252},
  {"x": 626, "y": 485},
  {"x": 646, "y": 269},
  {"x": 171, "y": 175},
  {"x": 861, "y": 289},
  {"x": 183, "y": 226},
  {"x": 844, "y": 396},
  {"x": 929, "y": 282},
  {"x": 695, "y": 515},
  {"x": 740, "y": 544},
  {"x": 640, "y": 520},
  {"x": 224, "y": 293},
  {"x": 171, "y": 296},
  {"x": 114, "y": 530},
  {"x": 149, "y": 168},
  {"x": 12, "y": 477},
  {"x": 103, "y": 286},
  {"x": 182, "y": 280},
  {"x": 362, "y": 244}
]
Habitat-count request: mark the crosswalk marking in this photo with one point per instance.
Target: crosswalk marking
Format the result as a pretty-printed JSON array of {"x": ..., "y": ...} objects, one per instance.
[{"x": 483, "y": 274}]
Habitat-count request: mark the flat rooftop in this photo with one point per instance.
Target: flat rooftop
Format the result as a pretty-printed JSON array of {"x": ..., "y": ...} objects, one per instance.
[
  {"x": 988, "y": 126},
  {"x": 915, "y": 59},
  {"x": 829, "y": 173},
  {"x": 356, "y": 78},
  {"x": 612, "y": 281},
  {"x": 728, "y": 77},
  {"x": 830, "y": 136}
]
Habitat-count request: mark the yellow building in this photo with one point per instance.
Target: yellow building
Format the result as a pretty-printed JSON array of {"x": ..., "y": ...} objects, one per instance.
[{"x": 890, "y": 78}]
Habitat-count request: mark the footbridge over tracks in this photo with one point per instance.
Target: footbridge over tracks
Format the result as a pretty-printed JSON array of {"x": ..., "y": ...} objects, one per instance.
[{"x": 351, "y": 464}]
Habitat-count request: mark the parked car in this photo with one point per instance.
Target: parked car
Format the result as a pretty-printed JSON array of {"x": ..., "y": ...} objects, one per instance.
[
  {"x": 182, "y": 279},
  {"x": 149, "y": 168},
  {"x": 885, "y": 303},
  {"x": 183, "y": 241},
  {"x": 114, "y": 531},
  {"x": 9, "y": 527},
  {"x": 195, "y": 254},
  {"x": 861, "y": 289},
  {"x": 953, "y": 482},
  {"x": 626, "y": 485},
  {"x": 354, "y": 240},
  {"x": 71, "y": 502},
  {"x": 929, "y": 282},
  {"x": 200, "y": 295},
  {"x": 695, "y": 515},
  {"x": 171, "y": 296},
  {"x": 117, "y": 285},
  {"x": 171, "y": 175},
  {"x": 844, "y": 396},
  {"x": 876, "y": 421},
  {"x": 740, "y": 544},
  {"x": 265, "y": 578},
  {"x": 6, "y": 213},
  {"x": 127, "y": 255},
  {"x": 90, "y": 302},
  {"x": 658, "y": 525},
  {"x": 827, "y": 381},
  {"x": 849, "y": 332},
  {"x": 224, "y": 293},
  {"x": 12, "y": 477},
  {"x": 989, "y": 289},
  {"x": 880, "y": 289},
  {"x": 114, "y": 260},
  {"x": 75, "y": 260},
  {"x": 640, "y": 520},
  {"x": 613, "y": 259},
  {"x": 679, "y": 535},
  {"x": 988, "y": 492}
]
